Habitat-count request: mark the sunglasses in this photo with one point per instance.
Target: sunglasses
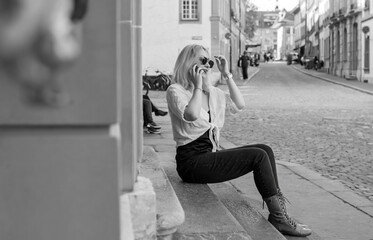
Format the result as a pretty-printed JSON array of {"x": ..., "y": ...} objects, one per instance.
[{"x": 205, "y": 60}]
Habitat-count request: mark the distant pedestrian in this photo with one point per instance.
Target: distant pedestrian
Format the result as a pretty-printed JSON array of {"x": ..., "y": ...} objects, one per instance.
[
  {"x": 243, "y": 62},
  {"x": 197, "y": 110},
  {"x": 268, "y": 56}
]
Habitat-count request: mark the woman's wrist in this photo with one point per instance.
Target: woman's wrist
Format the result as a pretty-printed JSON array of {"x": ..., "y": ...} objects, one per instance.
[
  {"x": 198, "y": 88},
  {"x": 227, "y": 75}
]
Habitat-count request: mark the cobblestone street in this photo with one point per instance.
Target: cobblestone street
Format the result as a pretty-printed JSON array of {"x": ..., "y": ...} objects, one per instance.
[{"x": 326, "y": 127}]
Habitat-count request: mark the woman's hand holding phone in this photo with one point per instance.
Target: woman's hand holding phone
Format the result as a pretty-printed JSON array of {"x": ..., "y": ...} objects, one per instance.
[{"x": 197, "y": 73}]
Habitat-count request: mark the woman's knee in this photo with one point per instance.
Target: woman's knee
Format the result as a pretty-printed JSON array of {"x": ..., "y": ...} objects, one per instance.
[
  {"x": 258, "y": 154},
  {"x": 266, "y": 148}
]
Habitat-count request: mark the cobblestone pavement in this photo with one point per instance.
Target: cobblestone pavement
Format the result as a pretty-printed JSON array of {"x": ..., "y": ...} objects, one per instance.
[{"x": 326, "y": 127}]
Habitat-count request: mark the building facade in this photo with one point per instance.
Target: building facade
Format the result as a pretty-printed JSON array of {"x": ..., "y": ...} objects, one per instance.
[
  {"x": 285, "y": 34},
  {"x": 366, "y": 42},
  {"x": 345, "y": 41},
  {"x": 298, "y": 40},
  {"x": 324, "y": 32},
  {"x": 336, "y": 32},
  {"x": 217, "y": 25},
  {"x": 265, "y": 34}
]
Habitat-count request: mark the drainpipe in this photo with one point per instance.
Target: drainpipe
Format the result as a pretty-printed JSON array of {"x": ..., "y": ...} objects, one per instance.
[
  {"x": 239, "y": 29},
  {"x": 230, "y": 39},
  {"x": 305, "y": 34}
]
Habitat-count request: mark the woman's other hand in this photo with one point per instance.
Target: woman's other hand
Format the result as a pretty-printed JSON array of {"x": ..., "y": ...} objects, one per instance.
[{"x": 222, "y": 65}]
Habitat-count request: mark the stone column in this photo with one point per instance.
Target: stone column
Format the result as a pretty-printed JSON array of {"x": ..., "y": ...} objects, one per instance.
[{"x": 59, "y": 144}]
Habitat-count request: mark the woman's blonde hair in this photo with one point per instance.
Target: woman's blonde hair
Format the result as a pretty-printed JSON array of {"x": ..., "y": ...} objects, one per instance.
[{"x": 184, "y": 63}]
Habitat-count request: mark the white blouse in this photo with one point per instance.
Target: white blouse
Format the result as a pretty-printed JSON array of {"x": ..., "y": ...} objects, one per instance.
[{"x": 185, "y": 131}]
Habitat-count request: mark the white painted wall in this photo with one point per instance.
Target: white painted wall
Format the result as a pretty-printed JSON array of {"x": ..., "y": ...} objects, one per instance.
[{"x": 164, "y": 35}]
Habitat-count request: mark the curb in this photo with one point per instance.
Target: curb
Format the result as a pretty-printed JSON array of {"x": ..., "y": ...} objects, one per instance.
[
  {"x": 245, "y": 82},
  {"x": 253, "y": 74},
  {"x": 332, "y": 81},
  {"x": 334, "y": 187}
]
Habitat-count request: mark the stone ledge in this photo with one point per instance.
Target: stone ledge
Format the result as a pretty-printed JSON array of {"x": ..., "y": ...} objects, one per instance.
[
  {"x": 246, "y": 214},
  {"x": 170, "y": 214},
  {"x": 142, "y": 209}
]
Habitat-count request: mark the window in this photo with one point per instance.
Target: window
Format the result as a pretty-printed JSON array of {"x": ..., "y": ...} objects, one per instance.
[
  {"x": 355, "y": 53},
  {"x": 345, "y": 45},
  {"x": 337, "y": 54},
  {"x": 189, "y": 10},
  {"x": 366, "y": 52}
]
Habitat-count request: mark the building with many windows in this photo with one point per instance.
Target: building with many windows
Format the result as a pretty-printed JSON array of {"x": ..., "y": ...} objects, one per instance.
[
  {"x": 338, "y": 33},
  {"x": 298, "y": 29},
  {"x": 169, "y": 25}
]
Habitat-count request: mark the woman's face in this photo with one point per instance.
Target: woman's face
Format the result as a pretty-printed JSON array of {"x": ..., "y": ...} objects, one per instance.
[{"x": 203, "y": 60}]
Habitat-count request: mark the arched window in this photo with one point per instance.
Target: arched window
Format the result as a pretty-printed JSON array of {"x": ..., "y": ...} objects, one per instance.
[
  {"x": 366, "y": 48},
  {"x": 355, "y": 52}
]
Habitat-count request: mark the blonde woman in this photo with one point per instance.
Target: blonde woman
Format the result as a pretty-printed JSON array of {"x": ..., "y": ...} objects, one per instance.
[{"x": 197, "y": 110}]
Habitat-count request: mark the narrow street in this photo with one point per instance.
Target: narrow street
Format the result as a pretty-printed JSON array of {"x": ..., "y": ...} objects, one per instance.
[{"x": 326, "y": 127}]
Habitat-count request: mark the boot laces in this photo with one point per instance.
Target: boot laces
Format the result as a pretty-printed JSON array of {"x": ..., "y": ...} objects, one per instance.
[{"x": 283, "y": 200}]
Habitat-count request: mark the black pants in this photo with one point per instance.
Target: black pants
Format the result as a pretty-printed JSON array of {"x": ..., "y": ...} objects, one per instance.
[
  {"x": 148, "y": 108},
  {"x": 244, "y": 72},
  {"x": 224, "y": 165}
]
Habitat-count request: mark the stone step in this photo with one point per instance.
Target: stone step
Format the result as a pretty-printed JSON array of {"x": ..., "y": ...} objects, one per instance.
[
  {"x": 250, "y": 214},
  {"x": 246, "y": 214},
  {"x": 218, "y": 211},
  {"x": 170, "y": 214},
  {"x": 205, "y": 216}
]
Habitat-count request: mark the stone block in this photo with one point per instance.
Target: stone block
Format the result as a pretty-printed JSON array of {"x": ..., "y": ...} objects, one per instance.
[
  {"x": 126, "y": 230},
  {"x": 170, "y": 214},
  {"x": 143, "y": 209}
]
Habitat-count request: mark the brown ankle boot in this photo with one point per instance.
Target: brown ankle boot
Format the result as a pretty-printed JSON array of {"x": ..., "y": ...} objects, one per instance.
[{"x": 280, "y": 219}]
